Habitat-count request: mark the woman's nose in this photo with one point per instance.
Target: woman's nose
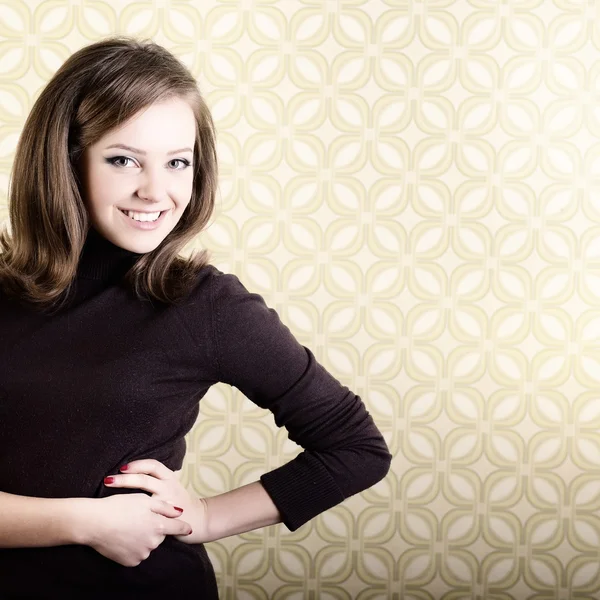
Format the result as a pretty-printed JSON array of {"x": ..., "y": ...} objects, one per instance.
[{"x": 152, "y": 186}]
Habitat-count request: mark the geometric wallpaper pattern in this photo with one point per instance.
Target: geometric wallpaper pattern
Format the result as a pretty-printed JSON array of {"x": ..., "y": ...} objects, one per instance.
[{"x": 415, "y": 188}]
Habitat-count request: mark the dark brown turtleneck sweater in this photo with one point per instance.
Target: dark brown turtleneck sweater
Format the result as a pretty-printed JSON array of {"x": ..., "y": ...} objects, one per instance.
[{"x": 111, "y": 379}]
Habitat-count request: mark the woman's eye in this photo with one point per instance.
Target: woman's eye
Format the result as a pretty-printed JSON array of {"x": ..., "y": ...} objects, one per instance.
[
  {"x": 113, "y": 161},
  {"x": 186, "y": 163}
]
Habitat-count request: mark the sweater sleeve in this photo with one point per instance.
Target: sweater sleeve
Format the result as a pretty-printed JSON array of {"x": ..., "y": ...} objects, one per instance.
[{"x": 343, "y": 451}]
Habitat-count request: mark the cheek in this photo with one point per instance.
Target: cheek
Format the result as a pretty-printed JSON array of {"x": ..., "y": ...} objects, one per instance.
[
  {"x": 98, "y": 201},
  {"x": 184, "y": 190},
  {"x": 182, "y": 207},
  {"x": 182, "y": 196},
  {"x": 104, "y": 190}
]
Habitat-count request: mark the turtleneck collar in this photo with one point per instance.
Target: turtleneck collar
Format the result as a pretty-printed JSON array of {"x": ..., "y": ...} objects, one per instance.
[{"x": 101, "y": 259}]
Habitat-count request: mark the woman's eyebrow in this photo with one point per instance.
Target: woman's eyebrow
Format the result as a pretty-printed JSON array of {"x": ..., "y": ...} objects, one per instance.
[{"x": 142, "y": 152}]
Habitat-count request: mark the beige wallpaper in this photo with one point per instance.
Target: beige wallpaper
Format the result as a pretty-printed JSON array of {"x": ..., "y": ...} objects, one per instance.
[{"x": 415, "y": 188}]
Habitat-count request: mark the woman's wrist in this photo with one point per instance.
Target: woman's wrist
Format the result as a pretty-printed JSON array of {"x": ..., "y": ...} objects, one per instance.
[
  {"x": 198, "y": 520},
  {"x": 237, "y": 511},
  {"x": 80, "y": 520}
]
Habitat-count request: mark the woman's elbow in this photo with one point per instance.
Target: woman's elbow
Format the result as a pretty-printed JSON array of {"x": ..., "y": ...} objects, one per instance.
[
  {"x": 365, "y": 465},
  {"x": 379, "y": 463}
]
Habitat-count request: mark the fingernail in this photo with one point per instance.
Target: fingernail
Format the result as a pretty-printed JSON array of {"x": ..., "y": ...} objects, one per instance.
[
  {"x": 177, "y": 508},
  {"x": 109, "y": 479},
  {"x": 190, "y": 533},
  {"x": 124, "y": 467}
]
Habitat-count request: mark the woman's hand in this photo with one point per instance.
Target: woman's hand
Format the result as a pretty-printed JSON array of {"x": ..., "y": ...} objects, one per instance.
[
  {"x": 127, "y": 527},
  {"x": 153, "y": 476}
]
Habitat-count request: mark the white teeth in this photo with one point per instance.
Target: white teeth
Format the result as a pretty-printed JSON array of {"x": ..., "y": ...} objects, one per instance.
[{"x": 142, "y": 216}]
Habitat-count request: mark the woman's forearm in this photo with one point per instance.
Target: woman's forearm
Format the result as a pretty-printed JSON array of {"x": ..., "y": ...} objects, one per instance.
[
  {"x": 29, "y": 521},
  {"x": 237, "y": 511}
]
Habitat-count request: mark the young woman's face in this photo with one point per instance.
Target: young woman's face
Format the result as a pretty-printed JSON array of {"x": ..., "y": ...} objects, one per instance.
[{"x": 155, "y": 173}]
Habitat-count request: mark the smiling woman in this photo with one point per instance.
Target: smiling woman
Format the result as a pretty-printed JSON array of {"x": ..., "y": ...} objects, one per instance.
[
  {"x": 141, "y": 139},
  {"x": 154, "y": 185},
  {"x": 108, "y": 379}
]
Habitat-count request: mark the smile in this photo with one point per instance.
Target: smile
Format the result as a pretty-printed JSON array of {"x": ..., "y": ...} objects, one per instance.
[{"x": 145, "y": 225}]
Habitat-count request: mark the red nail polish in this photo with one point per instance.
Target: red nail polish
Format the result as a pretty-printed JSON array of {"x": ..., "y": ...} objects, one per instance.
[
  {"x": 177, "y": 508},
  {"x": 109, "y": 479},
  {"x": 124, "y": 467}
]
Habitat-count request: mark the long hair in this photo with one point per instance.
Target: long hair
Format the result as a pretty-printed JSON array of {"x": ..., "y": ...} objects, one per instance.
[{"x": 95, "y": 90}]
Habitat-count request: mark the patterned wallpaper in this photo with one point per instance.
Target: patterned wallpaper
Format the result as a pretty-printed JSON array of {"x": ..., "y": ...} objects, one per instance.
[{"x": 414, "y": 187}]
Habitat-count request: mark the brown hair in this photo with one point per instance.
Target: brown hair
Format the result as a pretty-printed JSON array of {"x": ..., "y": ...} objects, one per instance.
[{"x": 95, "y": 90}]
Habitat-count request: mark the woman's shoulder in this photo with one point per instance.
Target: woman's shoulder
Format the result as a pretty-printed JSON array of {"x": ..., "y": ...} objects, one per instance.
[
  {"x": 209, "y": 276},
  {"x": 210, "y": 282},
  {"x": 226, "y": 293},
  {"x": 205, "y": 277}
]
